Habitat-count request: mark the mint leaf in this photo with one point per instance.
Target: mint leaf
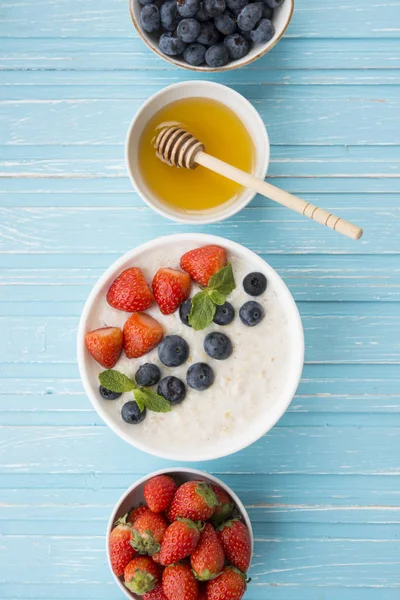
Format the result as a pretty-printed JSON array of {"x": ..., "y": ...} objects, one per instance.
[
  {"x": 115, "y": 381},
  {"x": 202, "y": 311},
  {"x": 223, "y": 280},
  {"x": 217, "y": 297},
  {"x": 151, "y": 400},
  {"x": 139, "y": 400}
]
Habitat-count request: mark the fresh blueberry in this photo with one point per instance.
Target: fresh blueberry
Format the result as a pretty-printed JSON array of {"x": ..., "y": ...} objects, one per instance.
[
  {"x": 217, "y": 56},
  {"x": 251, "y": 313},
  {"x": 255, "y": 284},
  {"x": 194, "y": 55},
  {"x": 214, "y": 7},
  {"x": 173, "y": 351},
  {"x": 170, "y": 44},
  {"x": 147, "y": 375},
  {"x": 193, "y": 52},
  {"x": 131, "y": 413},
  {"x": 209, "y": 34},
  {"x": 266, "y": 11},
  {"x": 188, "y": 8},
  {"x": 144, "y": 2},
  {"x": 264, "y": 32},
  {"x": 273, "y": 3},
  {"x": 108, "y": 394},
  {"x": 172, "y": 388},
  {"x": 236, "y": 5},
  {"x": 150, "y": 18},
  {"x": 224, "y": 314},
  {"x": 249, "y": 17},
  {"x": 169, "y": 16},
  {"x": 201, "y": 15},
  {"x": 218, "y": 345},
  {"x": 237, "y": 45},
  {"x": 200, "y": 376},
  {"x": 225, "y": 23},
  {"x": 188, "y": 30}
]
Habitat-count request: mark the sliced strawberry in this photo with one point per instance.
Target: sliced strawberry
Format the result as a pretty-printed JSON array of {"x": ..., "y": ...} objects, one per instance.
[
  {"x": 130, "y": 291},
  {"x": 105, "y": 345},
  {"x": 142, "y": 333},
  {"x": 203, "y": 262},
  {"x": 170, "y": 288}
]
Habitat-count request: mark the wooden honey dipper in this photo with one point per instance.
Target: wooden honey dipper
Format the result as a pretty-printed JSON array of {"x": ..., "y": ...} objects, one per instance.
[{"x": 179, "y": 148}]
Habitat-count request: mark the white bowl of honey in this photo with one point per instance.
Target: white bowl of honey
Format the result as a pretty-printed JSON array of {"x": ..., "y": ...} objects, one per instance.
[{"x": 228, "y": 125}]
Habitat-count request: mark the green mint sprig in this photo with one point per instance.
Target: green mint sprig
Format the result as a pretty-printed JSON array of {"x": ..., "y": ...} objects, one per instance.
[
  {"x": 145, "y": 397},
  {"x": 204, "y": 303}
]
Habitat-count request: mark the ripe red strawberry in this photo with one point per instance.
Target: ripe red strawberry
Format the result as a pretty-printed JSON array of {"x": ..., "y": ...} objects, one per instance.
[
  {"x": 130, "y": 291},
  {"x": 229, "y": 585},
  {"x": 105, "y": 345},
  {"x": 235, "y": 539},
  {"x": 194, "y": 500},
  {"x": 203, "y": 262},
  {"x": 156, "y": 594},
  {"x": 148, "y": 533},
  {"x": 141, "y": 575},
  {"x": 156, "y": 557},
  {"x": 119, "y": 547},
  {"x": 159, "y": 492},
  {"x": 142, "y": 333},
  {"x": 180, "y": 539},
  {"x": 170, "y": 289},
  {"x": 208, "y": 558},
  {"x": 136, "y": 513},
  {"x": 226, "y": 505},
  {"x": 179, "y": 583}
]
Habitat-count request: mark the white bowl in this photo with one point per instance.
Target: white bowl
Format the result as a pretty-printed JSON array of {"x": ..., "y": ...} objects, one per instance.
[
  {"x": 197, "y": 89},
  {"x": 134, "y": 496},
  {"x": 280, "y": 19},
  {"x": 214, "y": 448}
]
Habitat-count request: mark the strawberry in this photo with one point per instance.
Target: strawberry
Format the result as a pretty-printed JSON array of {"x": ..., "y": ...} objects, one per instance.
[
  {"x": 194, "y": 500},
  {"x": 119, "y": 546},
  {"x": 208, "y": 558},
  {"x": 130, "y": 292},
  {"x": 179, "y": 583},
  {"x": 226, "y": 505},
  {"x": 159, "y": 492},
  {"x": 156, "y": 557},
  {"x": 105, "y": 345},
  {"x": 170, "y": 289},
  {"x": 229, "y": 585},
  {"x": 141, "y": 575},
  {"x": 156, "y": 593},
  {"x": 180, "y": 539},
  {"x": 142, "y": 333},
  {"x": 148, "y": 533},
  {"x": 236, "y": 543},
  {"x": 203, "y": 262},
  {"x": 136, "y": 513}
]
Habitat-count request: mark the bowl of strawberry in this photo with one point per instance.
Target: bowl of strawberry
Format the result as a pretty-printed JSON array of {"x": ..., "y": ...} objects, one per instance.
[{"x": 180, "y": 534}]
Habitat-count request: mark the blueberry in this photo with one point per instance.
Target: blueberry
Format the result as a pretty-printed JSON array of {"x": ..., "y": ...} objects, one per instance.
[
  {"x": 147, "y": 375},
  {"x": 217, "y": 56},
  {"x": 188, "y": 30},
  {"x": 201, "y": 15},
  {"x": 195, "y": 53},
  {"x": 246, "y": 35},
  {"x": 266, "y": 11},
  {"x": 150, "y": 18},
  {"x": 224, "y": 314},
  {"x": 237, "y": 45},
  {"x": 131, "y": 413},
  {"x": 209, "y": 34},
  {"x": 173, "y": 389},
  {"x": 264, "y": 32},
  {"x": 273, "y": 3},
  {"x": 188, "y": 8},
  {"x": 251, "y": 313},
  {"x": 200, "y": 376},
  {"x": 173, "y": 351},
  {"x": 214, "y": 7},
  {"x": 218, "y": 345},
  {"x": 169, "y": 16},
  {"x": 108, "y": 394},
  {"x": 236, "y": 5},
  {"x": 225, "y": 23},
  {"x": 255, "y": 284},
  {"x": 170, "y": 44},
  {"x": 249, "y": 17}
]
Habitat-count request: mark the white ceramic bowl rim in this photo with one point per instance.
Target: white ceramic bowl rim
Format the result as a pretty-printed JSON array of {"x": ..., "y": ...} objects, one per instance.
[{"x": 273, "y": 414}]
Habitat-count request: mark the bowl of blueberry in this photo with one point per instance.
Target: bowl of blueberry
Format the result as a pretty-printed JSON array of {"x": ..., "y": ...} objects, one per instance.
[{"x": 211, "y": 35}]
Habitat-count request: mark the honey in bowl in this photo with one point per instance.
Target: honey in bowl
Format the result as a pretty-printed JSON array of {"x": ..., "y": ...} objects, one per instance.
[{"x": 224, "y": 136}]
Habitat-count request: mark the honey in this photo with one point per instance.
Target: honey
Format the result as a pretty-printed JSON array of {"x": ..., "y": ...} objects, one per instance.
[{"x": 224, "y": 136}]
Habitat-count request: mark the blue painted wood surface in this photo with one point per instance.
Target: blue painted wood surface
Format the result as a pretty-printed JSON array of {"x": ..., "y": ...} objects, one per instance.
[{"x": 323, "y": 487}]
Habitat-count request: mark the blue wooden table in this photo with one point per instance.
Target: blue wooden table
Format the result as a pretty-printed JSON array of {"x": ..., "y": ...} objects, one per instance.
[{"x": 323, "y": 487}]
